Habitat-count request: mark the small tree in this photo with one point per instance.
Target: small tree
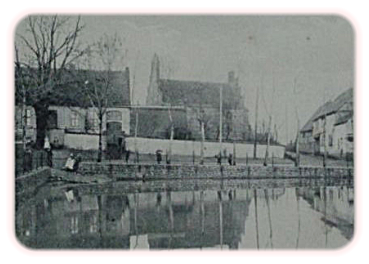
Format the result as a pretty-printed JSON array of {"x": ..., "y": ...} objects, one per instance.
[{"x": 98, "y": 84}]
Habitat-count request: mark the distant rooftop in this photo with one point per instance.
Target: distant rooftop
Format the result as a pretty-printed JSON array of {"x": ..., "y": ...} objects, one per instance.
[{"x": 329, "y": 108}]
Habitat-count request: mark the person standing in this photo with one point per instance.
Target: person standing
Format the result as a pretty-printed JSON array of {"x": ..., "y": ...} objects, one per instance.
[
  {"x": 158, "y": 156},
  {"x": 49, "y": 153},
  {"x": 127, "y": 152},
  {"x": 230, "y": 159}
]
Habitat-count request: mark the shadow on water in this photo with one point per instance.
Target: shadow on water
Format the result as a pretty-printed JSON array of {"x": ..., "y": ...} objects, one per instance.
[{"x": 226, "y": 214}]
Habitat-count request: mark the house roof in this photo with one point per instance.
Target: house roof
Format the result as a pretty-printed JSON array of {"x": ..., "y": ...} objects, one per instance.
[
  {"x": 309, "y": 124},
  {"x": 118, "y": 96},
  {"x": 178, "y": 92},
  {"x": 333, "y": 106},
  {"x": 71, "y": 90},
  {"x": 328, "y": 108}
]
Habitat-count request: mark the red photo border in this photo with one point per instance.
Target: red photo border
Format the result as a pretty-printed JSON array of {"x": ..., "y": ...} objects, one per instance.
[{"x": 9, "y": 143}]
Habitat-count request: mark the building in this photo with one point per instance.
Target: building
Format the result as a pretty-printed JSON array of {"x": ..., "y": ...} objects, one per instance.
[
  {"x": 201, "y": 103},
  {"x": 330, "y": 129},
  {"x": 73, "y": 118}
]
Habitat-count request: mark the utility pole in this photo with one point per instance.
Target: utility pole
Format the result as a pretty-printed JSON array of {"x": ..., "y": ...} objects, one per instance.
[
  {"x": 268, "y": 142},
  {"x": 136, "y": 128},
  {"x": 256, "y": 122},
  {"x": 171, "y": 136},
  {"x": 220, "y": 121},
  {"x": 297, "y": 160}
]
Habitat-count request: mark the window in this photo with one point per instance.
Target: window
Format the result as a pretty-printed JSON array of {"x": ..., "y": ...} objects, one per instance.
[
  {"x": 114, "y": 116},
  {"x": 52, "y": 120},
  {"x": 94, "y": 122},
  {"x": 74, "y": 119},
  {"x": 330, "y": 142},
  {"x": 28, "y": 117}
]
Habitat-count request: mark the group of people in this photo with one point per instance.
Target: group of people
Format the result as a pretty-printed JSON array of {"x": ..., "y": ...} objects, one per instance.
[{"x": 231, "y": 159}]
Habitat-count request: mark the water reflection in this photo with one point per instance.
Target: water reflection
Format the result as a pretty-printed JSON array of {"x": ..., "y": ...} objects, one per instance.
[{"x": 228, "y": 218}]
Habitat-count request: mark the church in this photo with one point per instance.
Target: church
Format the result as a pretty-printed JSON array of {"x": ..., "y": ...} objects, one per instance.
[{"x": 189, "y": 103}]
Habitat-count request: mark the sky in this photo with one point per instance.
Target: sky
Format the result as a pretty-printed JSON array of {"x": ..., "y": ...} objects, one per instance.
[{"x": 296, "y": 62}]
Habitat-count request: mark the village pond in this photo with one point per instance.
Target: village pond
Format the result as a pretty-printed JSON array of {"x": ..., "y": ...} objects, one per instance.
[{"x": 198, "y": 214}]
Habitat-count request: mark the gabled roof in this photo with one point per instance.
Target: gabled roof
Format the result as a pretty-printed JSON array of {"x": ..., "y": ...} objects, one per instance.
[
  {"x": 328, "y": 108},
  {"x": 332, "y": 107},
  {"x": 309, "y": 124},
  {"x": 71, "y": 89},
  {"x": 178, "y": 92},
  {"x": 341, "y": 119}
]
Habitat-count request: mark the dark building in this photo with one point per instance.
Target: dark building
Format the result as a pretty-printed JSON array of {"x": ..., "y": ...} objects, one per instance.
[{"x": 201, "y": 100}]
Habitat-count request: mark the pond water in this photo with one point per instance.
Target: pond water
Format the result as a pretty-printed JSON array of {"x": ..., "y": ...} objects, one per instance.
[{"x": 209, "y": 215}]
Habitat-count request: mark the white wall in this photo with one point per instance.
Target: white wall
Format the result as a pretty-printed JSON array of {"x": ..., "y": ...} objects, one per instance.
[
  {"x": 181, "y": 147},
  {"x": 83, "y": 141}
]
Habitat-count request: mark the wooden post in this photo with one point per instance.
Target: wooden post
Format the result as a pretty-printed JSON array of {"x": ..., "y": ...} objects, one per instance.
[
  {"x": 220, "y": 122},
  {"x": 135, "y": 142},
  {"x": 256, "y": 124},
  {"x": 171, "y": 136},
  {"x": 234, "y": 153},
  {"x": 268, "y": 143}
]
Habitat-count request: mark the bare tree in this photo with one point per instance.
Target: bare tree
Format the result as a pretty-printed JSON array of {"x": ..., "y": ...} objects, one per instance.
[
  {"x": 106, "y": 53},
  {"x": 203, "y": 120},
  {"x": 50, "y": 47}
]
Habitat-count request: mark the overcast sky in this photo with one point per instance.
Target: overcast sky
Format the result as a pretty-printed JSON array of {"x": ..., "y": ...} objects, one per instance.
[{"x": 314, "y": 54}]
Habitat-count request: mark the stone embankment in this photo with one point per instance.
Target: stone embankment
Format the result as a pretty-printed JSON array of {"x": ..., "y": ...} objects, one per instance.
[{"x": 119, "y": 171}]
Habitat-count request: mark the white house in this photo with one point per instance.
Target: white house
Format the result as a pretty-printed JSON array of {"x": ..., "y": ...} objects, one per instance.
[{"x": 330, "y": 128}]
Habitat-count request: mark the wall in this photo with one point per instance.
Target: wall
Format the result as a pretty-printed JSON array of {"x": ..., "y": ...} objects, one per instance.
[
  {"x": 307, "y": 142},
  {"x": 340, "y": 141},
  {"x": 64, "y": 118},
  {"x": 184, "y": 171},
  {"x": 30, "y": 125},
  {"x": 83, "y": 141},
  {"x": 154, "y": 122},
  {"x": 236, "y": 121},
  {"x": 182, "y": 147}
]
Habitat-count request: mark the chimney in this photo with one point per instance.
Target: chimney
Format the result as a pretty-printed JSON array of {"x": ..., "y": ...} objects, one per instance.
[{"x": 231, "y": 78}]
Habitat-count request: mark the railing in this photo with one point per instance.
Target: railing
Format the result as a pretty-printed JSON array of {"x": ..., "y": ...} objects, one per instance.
[{"x": 26, "y": 161}]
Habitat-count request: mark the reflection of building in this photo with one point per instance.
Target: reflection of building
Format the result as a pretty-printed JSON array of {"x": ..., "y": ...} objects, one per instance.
[
  {"x": 200, "y": 100},
  {"x": 164, "y": 220},
  {"x": 336, "y": 204},
  {"x": 89, "y": 221},
  {"x": 330, "y": 128}
]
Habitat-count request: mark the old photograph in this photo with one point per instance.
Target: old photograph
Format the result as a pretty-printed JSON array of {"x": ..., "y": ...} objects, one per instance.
[{"x": 173, "y": 132}]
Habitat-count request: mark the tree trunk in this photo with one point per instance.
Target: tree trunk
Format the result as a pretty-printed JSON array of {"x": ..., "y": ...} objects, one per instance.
[
  {"x": 202, "y": 143},
  {"x": 268, "y": 143},
  {"x": 99, "y": 154},
  {"x": 41, "y": 124}
]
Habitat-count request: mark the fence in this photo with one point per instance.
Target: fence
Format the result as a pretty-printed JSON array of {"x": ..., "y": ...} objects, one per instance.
[{"x": 26, "y": 161}]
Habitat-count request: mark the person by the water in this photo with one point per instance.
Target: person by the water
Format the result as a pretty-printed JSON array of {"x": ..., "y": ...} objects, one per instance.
[
  {"x": 69, "y": 165},
  {"x": 158, "y": 156},
  {"x": 219, "y": 159},
  {"x": 230, "y": 159},
  {"x": 128, "y": 152}
]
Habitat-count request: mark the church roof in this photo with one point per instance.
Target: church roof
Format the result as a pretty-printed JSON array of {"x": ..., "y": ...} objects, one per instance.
[{"x": 178, "y": 92}]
